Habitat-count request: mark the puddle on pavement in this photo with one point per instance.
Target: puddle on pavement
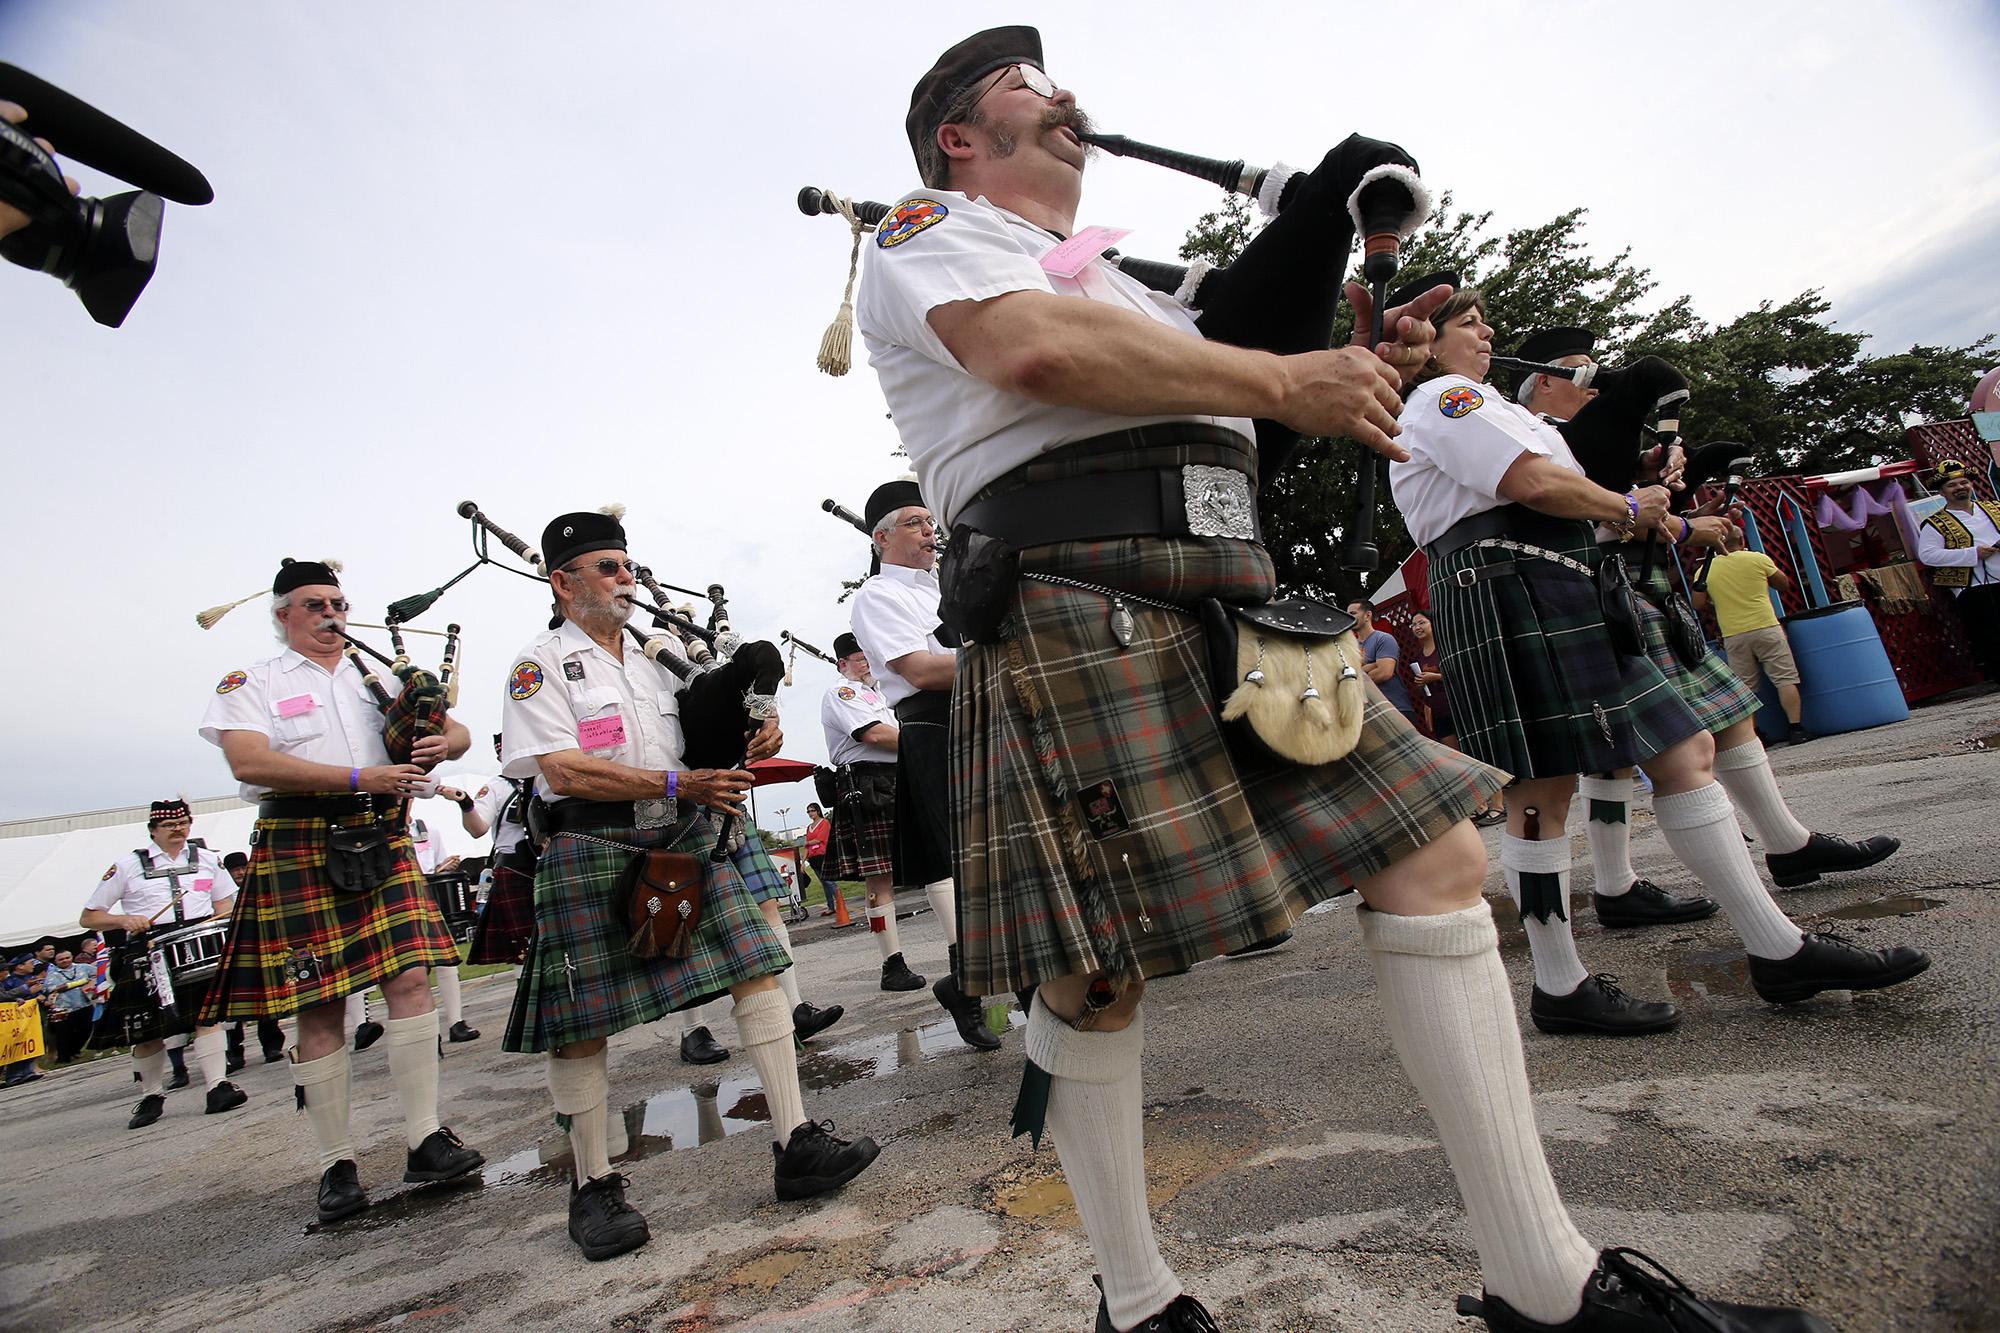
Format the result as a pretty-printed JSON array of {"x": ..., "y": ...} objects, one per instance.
[
  {"x": 1899, "y": 905},
  {"x": 405, "y": 1204},
  {"x": 1709, "y": 972}
]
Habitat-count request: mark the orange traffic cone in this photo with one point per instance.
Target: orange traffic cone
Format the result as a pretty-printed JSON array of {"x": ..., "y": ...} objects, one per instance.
[{"x": 839, "y": 901}]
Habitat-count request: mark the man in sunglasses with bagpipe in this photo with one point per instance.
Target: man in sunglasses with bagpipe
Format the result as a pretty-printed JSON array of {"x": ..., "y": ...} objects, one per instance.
[
  {"x": 645, "y": 905},
  {"x": 335, "y": 902},
  {"x": 1095, "y": 451}
]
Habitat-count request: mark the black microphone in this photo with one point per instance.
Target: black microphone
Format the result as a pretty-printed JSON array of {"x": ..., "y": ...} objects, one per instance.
[{"x": 80, "y": 131}]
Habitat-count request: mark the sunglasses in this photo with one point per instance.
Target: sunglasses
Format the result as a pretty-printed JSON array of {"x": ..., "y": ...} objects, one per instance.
[
  {"x": 1031, "y": 78},
  {"x": 314, "y": 606},
  {"x": 607, "y": 567}
]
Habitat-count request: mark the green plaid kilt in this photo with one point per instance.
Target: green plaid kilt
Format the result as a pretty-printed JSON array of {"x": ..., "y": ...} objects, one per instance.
[
  {"x": 864, "y": 842},
  {"x": 1208, "y": 851},
  {"x": 1534, "y": 683},
  {"x": 578, "y": 981},
  {"x": 299, "y": 942},
  {"x": 507, "y": 921},
  {"x": 1710, "y": 688}
]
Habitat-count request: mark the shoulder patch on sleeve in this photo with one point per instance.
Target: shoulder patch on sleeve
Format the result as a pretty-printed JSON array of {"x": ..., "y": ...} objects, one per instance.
[
  {"x": 233, "y": 680},
  {"x": 482, "y": 792},
  {"x": 907, "y": 219},
  {"x": 845, "y": 692},
  {"x": 109, "y": 872},
  {"x": 1459, "y": 400},
  {"x": 525, "y": 680}
]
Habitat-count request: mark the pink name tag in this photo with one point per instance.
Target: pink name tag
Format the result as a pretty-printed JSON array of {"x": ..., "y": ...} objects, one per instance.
[
  {"x": 297, "y": 705},
  {"x": 601, "y": 733},
  {"x": 203, "y": 885},
  {"x": 1074, "y": 255}
]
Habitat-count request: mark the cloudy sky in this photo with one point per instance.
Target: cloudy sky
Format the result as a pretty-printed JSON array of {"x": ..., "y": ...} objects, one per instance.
[{"x": 546, "y": 257}]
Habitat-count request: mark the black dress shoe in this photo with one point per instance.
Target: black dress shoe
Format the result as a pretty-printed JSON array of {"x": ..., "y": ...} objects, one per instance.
[
  {"x": 463, "y": 1031},
  {"x": 809, "y": 1021},
  {"x": 225, "y": 1096},
  {"x": 896, "y": 975},
  {"x": 441, "y": 1156},
  {"x": 700, "y": 1047},
  {"x": 1827, "y": 961},
  {"x": 600, "y": 1221},
  {"x": 1826, "y": 854},
  {"x": 233, "y": 1061},
  {"x": 1647, "y": 904},
  {"x": 815, "y": 1162},
  {"x": 147, "y": 1111},
  {"x": 367, "y": 1034},
  {"x": 340, "y": 1192},
  {"x": 1798, "y": 735},
  {"x": 1261, "y": 946},
  {"x": 1184, "y": 1314},
  {"x": 1599, "y": 1006},
  {"x": 272, "y": 1057},
  {"x": 1623, "y": 1297},
  {"x": 966, "y": 1015}
]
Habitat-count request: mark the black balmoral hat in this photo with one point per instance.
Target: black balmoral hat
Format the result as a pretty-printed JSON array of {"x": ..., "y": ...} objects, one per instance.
[{"x": 569, "y": 535}]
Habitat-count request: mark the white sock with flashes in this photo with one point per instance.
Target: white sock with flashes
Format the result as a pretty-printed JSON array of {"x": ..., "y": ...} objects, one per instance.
[
  {"x": 1610, "y": 838},
  {"x": 764, "y": 1026},
  {"x": 1450, "y": 1016},
  {"x": 1558, "y": 969},
  {"x": 323, "y": 1083},
  {"x": 413, "y": 1067},
  {"x": 451, "y": 1000},
  {"x": 788, "y": 980},
  {"x": 581, "y": 1091},
  {"x": 1095, "y": 1116},
  {"x": 1745, "y": 773},
  {"x": 943, "y": 895},
  {"x": 152, "y": 1072},
  {"x": 882, "y": 923},
  {"x": 211, "y": 1058},
  {"x": 1701, "y": 827}
]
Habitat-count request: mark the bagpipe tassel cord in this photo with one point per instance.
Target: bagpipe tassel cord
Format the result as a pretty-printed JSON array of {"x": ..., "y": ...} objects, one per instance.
[
  {"x": 206, "y": 619},
  {"x": 836, "y": 348}
]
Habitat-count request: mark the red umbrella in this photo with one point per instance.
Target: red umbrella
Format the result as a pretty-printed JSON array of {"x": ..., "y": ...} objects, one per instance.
[{"x": 765, "y": 772}]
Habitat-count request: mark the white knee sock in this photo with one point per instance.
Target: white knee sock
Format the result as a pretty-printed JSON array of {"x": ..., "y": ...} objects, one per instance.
[
  {"x": 211, "y": 1058},
  {"x": 1095, "y": 1115},
  {"x": 1451, "y": 1017},
  {"x": 764, "y": 1026},
  {"x": 357, "y": 1010},
  {"x": 413, "y": 1066},
  {"x": 451, "y": 1000},
  {"x": 788, "y": 980},
  {"x": 944, "y": 906},
  {"x": 1745, "y": 773},
  {"x": 324, "y": 1085},
  {"x": 1701, "y": 828},
  {"x": 581, "y": 1089},
  {"x": 1610, "y": 838},
  {"x": 882, "y": 922},
  {"x": 152, "y": 1072},
  {"x": 1558, "y": 970}
]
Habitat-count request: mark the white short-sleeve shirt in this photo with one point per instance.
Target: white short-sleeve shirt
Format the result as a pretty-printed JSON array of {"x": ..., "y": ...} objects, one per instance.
[
  {"x": 1932, "y": 551},
  {"x": 491, "y": 800},
  {"x": 196, "y": 873},
  {"x": 1463, "y": 436},
  {"x": 305, "y": 710},
  {"x": 961, "y": 432},
  {"x": 896, "y": 613},
  {"x": 428, "y": 848},
  {"x": 849, "y": 709},
  {"x": 566, "y": 693}
]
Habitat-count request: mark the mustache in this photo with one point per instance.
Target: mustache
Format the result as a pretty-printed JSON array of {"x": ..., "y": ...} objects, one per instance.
[{"x": 1058, "y": 115}]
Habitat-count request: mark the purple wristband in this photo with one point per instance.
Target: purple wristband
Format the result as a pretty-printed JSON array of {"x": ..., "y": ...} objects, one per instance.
[
  {"x": 673, "y": 783},
  {"x": 354, "y": 779},
  {"x": 1632, "y": 506}
]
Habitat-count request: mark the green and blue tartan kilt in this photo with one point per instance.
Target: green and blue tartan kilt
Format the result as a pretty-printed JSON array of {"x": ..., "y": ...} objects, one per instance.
[
  {"x": 864, "y": 842},
  {"x": 1204, "y": 851},
  {"x": 1710, "y": 688},
  {"x": 579, "y": 982},
  {"x": 1535, "y": 685},
  {"x": 507, "y": 921},
  {"x": 299, "y": 942}
]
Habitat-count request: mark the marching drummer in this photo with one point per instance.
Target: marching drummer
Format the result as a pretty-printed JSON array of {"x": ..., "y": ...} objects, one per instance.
[
  {"x": 451, "y": 1001},
  {"x": 168, "y": 885}
]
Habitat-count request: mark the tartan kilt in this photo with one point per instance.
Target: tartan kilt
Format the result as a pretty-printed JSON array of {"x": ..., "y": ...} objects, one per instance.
[
  {"x": 923, "y": 809},
  {"x": 1534, "y": 683},
  {"x": 864, "y": 842},
  {"x": 508, "y": 919},
  {"x": 1213, "y": 851},
  {"x": 299, "y": 942},
  {"x": 131, "y": 1014},
  {"x": 1709, "y": 687},
  {"x": 578, "y": 981}
]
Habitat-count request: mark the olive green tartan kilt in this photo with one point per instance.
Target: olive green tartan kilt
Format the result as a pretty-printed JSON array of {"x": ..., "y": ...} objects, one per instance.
[
  {"x": 579, "y": 981},
  {"x": 1535, "y": 685},
  {"x": 1199, "y": 851},
  {"x": 298, "y": 942},
  {"x": 1709, "y": 687}
]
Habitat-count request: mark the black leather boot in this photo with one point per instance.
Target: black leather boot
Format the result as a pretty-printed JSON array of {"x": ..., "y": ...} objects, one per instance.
[
  {"x": 896, "y": 975},
  {"x": 965, "y": 1012}
]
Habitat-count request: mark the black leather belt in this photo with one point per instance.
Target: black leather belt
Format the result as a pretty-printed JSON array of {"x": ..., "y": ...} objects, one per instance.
[
  {"x": 349, "y": 806},
  {"x": 925, "y": 706},
  {"x": 1510, "y": 520},
  {"x": 574, "y": 816},
  {"x": 872, "y": 765}
]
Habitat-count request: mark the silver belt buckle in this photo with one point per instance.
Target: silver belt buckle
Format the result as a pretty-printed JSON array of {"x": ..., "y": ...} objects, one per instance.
[
  {"x": 1465, "y": 578},
  {"x": 1218, "y": 502},
  {"x": 653, "y": 812}
]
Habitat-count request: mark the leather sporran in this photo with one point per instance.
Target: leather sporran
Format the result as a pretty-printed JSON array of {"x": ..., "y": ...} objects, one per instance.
[
  {"x": 359, "y": 860},
  {"x": 1619, "y": 605},
  {"x": 1684, "y": 634},
  {"x": 662, "y": 897},
  {"x": 1287, "y": 677},
  {"x": 976, "y": 578}
]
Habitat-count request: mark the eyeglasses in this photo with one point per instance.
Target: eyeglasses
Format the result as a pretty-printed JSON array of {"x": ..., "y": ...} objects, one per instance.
[
  {"x": 314, "y": 606},
  {"x": 1033, "y": 79},
  {"x": 606, "y": 567},
  {"x": 918, "y": 524}
]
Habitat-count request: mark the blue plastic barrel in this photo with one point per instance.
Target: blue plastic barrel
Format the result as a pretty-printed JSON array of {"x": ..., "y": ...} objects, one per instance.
[{"x": 1846, "y": 682}]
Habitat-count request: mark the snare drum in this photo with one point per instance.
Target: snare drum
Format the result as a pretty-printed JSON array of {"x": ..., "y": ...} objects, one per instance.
[
  {"x": 455, "y": 899},
  {"x": 193, "y": 953}
]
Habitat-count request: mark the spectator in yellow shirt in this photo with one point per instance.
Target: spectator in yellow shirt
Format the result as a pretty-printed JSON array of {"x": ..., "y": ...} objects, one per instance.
[{"x": 1739, "y": 587}]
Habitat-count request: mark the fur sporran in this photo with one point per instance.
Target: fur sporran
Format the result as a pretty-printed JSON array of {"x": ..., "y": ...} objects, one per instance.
[{"x": 1288, "y": 678}]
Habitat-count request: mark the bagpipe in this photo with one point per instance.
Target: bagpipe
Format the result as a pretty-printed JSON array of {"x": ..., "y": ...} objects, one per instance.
[
  {"x": 1282, "y": 292},
  {"x": 419, "y": 706}
]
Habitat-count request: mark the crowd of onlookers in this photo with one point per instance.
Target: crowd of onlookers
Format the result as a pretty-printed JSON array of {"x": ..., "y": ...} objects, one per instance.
[{"x": 63, "y": 984}]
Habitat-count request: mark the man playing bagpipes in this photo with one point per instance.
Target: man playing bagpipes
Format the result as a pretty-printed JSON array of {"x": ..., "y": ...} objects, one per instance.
[
  {"x": 643, "y": 906},
  {"x": 1094, "y": 456},
  {"x": 335, "y": 902}
]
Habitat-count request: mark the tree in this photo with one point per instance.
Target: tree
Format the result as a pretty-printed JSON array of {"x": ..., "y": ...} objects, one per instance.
[{"x": 1781, "y": 379}]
